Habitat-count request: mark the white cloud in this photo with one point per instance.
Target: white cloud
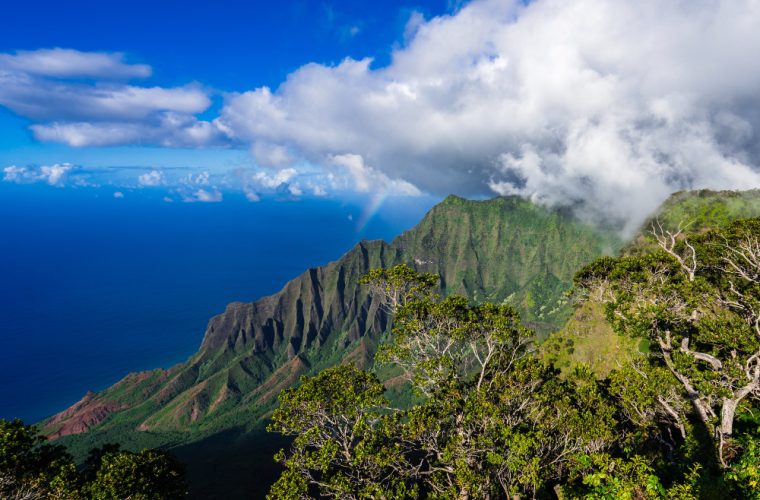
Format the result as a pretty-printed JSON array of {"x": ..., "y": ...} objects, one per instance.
[
  {"x": 603, "y": 103},
  {"x": 205, "y": 196},
  {"x": 46, "y": 86},
  {"x": 271, "y": 155},
  {"x": 67, "y": 63},
  {"x": 51, "y": 174},
  {"x": 250, "y": 194},
  {"x": 366, "y": 178},
  {"x": 152, "y": 178},
  {"x": 12, "y": 173},
  {"x": 46, "y": 99},
  {"x": 295, "y": 190},
  {"x": 118, "y": 194},
  {"x": 275, "y": 180},
  {"x": 201, "y": 178},
  {"x": 164, "y": 129}
]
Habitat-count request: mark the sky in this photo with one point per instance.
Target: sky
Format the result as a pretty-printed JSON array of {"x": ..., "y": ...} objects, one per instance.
[{"x": 606, "y": 106}]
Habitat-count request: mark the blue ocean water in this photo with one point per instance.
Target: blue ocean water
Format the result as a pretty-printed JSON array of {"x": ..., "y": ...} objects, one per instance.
[{"x": 93, "y": 287}]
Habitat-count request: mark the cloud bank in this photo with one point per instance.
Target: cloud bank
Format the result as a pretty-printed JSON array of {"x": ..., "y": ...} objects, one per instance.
[
  {"x": 54, "y": 175},
  {"x": 604, "y": 105},
  {"x": 84, "y": 99}
]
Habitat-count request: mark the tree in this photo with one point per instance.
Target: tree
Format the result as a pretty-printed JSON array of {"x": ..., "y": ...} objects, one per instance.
[
  {"x": 150, "y": 474},
  {"x": 30, "y": 467},
  {"x": 339, "y": 419},
  {"x": 698, "y": 299},
  {"x": 493, "y": 421}
]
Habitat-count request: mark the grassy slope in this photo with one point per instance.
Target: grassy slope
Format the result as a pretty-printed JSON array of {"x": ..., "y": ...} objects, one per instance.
[{"x": 587, "y": 337}]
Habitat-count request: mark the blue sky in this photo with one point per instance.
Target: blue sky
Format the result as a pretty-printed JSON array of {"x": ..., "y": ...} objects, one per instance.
[{"x": 602, "y": 105}]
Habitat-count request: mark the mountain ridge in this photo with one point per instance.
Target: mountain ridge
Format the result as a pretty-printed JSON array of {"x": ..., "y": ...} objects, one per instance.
[
  {"x": 503, "y": 249},
  {"x": 209, "y": 410}
]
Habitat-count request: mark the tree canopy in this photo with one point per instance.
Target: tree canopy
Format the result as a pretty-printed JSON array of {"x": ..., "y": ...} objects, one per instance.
[
  {"x": 493, "y": 420},
  {"x": 31, "y": 469}
]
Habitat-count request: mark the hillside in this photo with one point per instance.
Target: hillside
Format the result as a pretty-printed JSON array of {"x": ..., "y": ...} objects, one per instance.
[
  {"x": 587, "y": 337},
  {"x": 504, "y": 249}
]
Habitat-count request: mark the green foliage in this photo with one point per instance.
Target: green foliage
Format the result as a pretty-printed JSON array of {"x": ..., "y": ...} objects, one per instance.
[
  {"x": 697, "y": 300},
  {"x": 400, "y": 284},
  {"x": 147, "y": 475},
  {"x": 31, "y": 468},
  {"x": 603, "y": 477},
  {"x": 744, "y": 476},
  {"x": 338, "y": 422},
  {"x": 493, "y": 420},
  {"x": 506, "y": 251}
]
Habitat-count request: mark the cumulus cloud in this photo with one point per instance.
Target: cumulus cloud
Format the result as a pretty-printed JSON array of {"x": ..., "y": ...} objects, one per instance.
[
  {"x": 202, "y": 178},
  {"x": 367, "y": 179},
  {"x": 275, "y": 179},
  {"x": 81, "y": 99},
  {"x": 118, "y": 195},
  {"x": 204, "y": 196},
  {"x": 604, "y": 105},
  {"x": 50, "y": 174},
  {"x": 250, "y": 194},
  {"x": 151, "y": 179}
]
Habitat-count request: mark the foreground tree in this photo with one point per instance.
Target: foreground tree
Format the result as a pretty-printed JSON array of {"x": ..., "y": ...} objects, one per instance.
[
  {"x": 698, "y": 300},
  {"x": 492, "y": 421},
  {"x": 32, "y": 469},
  {"x": 147, "y": 475}
]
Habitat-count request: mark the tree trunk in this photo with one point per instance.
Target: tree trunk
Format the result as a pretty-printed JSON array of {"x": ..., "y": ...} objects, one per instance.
[{"x": 727, "y": 414}]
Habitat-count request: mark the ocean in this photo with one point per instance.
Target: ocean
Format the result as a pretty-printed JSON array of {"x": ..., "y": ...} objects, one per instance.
[{"x": 93, "y": 287}]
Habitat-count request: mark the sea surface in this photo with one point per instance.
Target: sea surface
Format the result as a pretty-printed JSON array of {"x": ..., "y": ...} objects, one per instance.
[{"x": 93, "y": 287}]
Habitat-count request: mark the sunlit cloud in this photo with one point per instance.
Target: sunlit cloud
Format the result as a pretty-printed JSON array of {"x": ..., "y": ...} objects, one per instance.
[
  {"x": 150, "y": 179},
  {"x": 54, "y": 175},
  {"x": 601, "y": 105}
]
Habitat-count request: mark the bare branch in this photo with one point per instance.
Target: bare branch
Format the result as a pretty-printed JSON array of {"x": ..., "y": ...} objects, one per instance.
[{"x": 667, "y": 240}]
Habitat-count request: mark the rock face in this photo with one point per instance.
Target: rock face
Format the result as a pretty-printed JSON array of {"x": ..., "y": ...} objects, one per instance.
[
  {"x": 505, "y": 249},
  {"x": 82, "y": 416}
]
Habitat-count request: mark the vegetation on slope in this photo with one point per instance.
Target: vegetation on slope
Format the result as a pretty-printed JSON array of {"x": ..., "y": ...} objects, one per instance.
[
  {"x": 505, "y": 250},
  {"x": 588, "y": 337},
  {"x": 494, "y": 421}
]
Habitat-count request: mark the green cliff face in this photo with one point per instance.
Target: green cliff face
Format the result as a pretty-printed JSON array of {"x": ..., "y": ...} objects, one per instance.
[{"x": 505, "y": 249}]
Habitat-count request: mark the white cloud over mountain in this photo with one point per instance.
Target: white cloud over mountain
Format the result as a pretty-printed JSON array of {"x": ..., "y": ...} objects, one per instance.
[{"x": 608, "y": 105}]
